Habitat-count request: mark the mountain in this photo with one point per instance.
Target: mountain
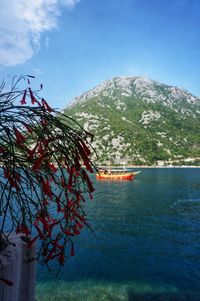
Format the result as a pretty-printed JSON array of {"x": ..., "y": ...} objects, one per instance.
[{"x": 139, "y": 120}]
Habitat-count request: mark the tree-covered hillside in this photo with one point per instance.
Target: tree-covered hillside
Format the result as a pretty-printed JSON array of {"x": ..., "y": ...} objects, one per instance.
[{"x": 139, "y": 120}]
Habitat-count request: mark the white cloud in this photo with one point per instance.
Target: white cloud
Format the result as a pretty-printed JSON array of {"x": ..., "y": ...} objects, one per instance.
[{"x": 21, "y": 24}]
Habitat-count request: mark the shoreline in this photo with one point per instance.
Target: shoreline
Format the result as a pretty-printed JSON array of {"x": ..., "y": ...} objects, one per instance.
[{"x": 147, "y": 166}]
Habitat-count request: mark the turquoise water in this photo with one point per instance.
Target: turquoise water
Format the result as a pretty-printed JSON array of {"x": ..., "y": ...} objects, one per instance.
[{"x": 146, "y": 244}]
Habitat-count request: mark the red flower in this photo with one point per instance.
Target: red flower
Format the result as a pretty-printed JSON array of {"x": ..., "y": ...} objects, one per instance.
[
  {"x": 23, "y": 101},
  {"x": 77, "y": 161},
  {"x": 22, "y": 229},
  {"x": 44, "y": 122},
  {"x": 87, "y": 179},
  {"x": 28, "y": 128},
  {"x": 85, "y": 147},
  {"x": 61, "y": 257},
  {"x": 19, "y": 137},
  {"x": 6, "y": 172},
  {"x": 83, "y": 151},
  {"x": 54, "y": 223},
  {"x": 76, "y": 231},
  {"x": 68, "y": 233},
  {"x": 31, "y": 242},
  {"x": 79, "y": 225},
  {"x": 58, "y": 245},
  {"x": 46, "y": 187},
  {"x": 51, "y": 254},
  {"x": 72, "y": 250},
  {"x": 45, "y": 104},
  {"x": 36, "y": 166},
  {"x": 52, "y": 167},
  {"x": 44, "y": 222},
  {"x": 45, "y": 203},
  {"x": 33, "y": 99},
  {"x": 39, "y": 230},
  {"x": 2, "y": 149},
  {"x": 13, "y": 178},
  {"x": 62, "y": 180}
]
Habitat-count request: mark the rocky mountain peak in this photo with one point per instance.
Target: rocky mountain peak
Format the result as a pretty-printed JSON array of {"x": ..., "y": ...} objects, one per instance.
[
  {"x": 124, "y": 84},
  {"x": 148, "y": 90}
]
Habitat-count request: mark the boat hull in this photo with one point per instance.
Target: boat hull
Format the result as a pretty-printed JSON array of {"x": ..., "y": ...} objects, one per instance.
[{"x": 122, "y": 177}]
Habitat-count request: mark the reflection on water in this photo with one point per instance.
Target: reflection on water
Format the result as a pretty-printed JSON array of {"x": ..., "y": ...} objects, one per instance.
[{"x": 146, "y": 244}]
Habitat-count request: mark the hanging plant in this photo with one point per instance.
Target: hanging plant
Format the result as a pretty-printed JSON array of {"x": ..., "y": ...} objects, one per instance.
[{"x": 44, "y": 167}]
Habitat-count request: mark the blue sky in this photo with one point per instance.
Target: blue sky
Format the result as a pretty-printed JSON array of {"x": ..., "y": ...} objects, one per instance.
[{"x": 73, "y": 45}]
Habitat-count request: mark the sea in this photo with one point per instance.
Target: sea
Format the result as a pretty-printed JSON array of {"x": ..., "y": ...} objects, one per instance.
[{"x": 144, "y": 243}]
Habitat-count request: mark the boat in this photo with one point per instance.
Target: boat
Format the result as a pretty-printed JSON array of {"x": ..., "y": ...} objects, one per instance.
[{"x": 116, "y": 174}]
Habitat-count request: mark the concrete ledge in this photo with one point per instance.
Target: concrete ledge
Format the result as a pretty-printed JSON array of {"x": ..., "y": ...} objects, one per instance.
[{"x": 16, "y": 265}]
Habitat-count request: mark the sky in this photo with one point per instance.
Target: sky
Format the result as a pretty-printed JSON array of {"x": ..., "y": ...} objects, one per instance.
[{"x": 73, "y": 45}]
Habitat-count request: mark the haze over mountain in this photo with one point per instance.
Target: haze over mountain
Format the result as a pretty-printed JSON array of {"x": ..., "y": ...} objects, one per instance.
[{"x": 139, "y": 120}]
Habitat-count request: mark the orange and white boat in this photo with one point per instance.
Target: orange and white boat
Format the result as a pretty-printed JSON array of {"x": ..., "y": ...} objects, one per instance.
[{"x": 116, "y": 174}]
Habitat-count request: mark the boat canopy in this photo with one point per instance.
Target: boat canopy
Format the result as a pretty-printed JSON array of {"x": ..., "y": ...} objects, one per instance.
[{"x": 114, "y": 171}]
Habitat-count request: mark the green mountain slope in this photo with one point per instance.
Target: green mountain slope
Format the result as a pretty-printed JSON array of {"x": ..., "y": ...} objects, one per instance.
[{"x": 139, "y": 120}]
